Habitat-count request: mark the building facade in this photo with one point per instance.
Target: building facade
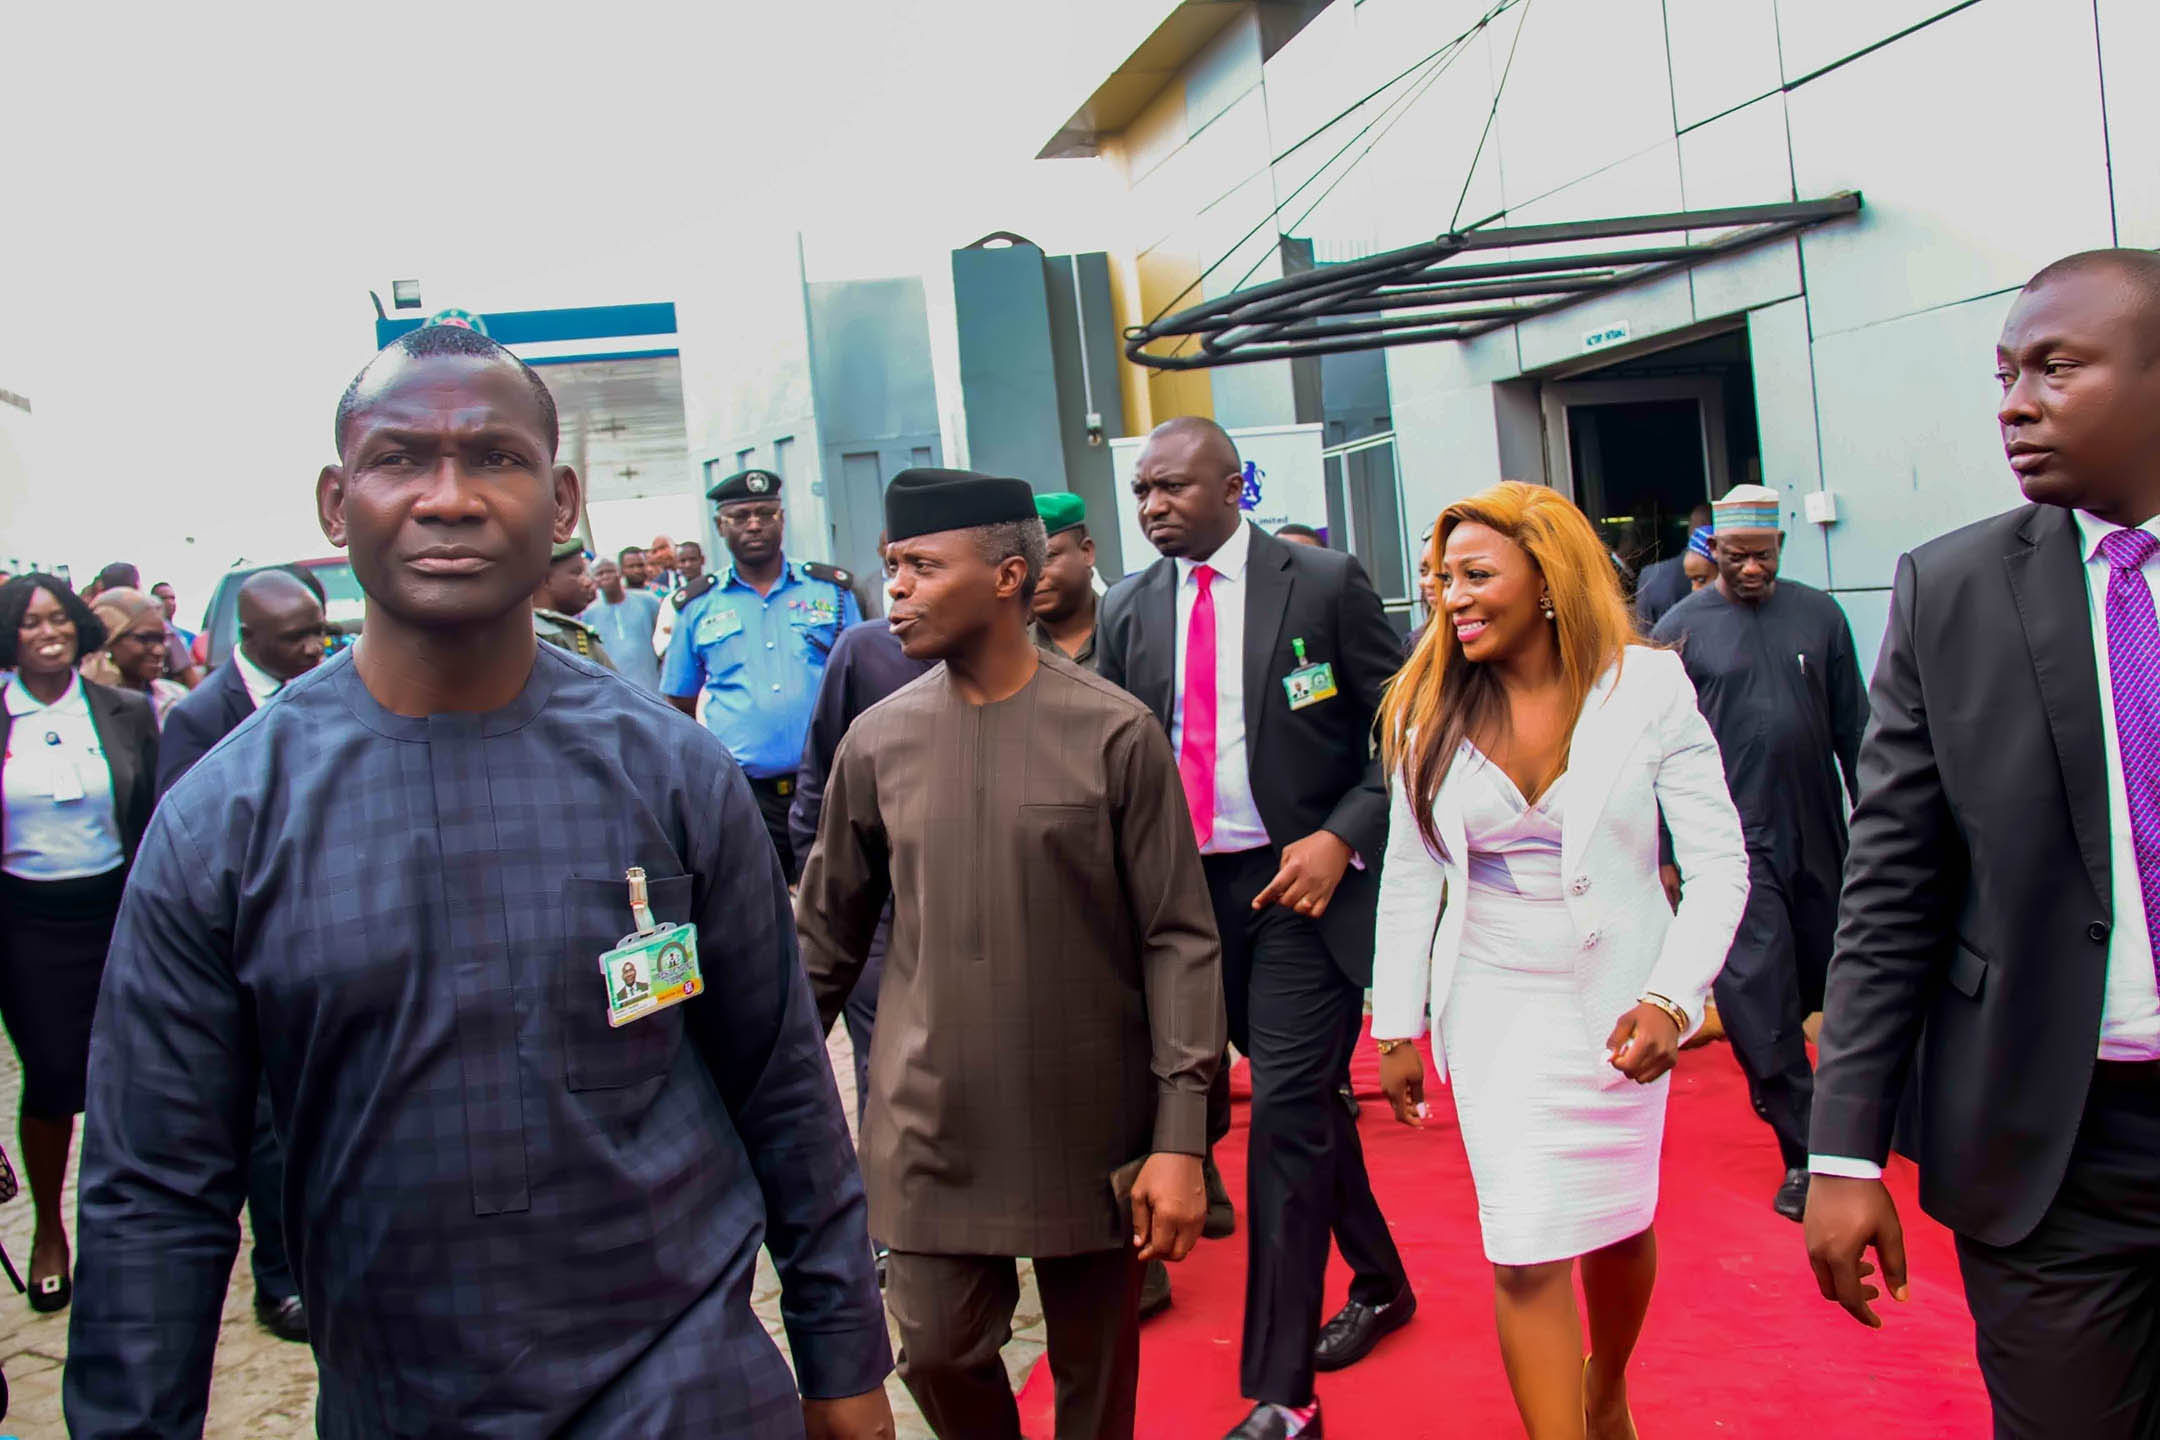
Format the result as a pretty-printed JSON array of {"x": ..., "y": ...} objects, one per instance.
[
  {"x": 1849, "y": 365},
  {"x": 16, "y": 496}
]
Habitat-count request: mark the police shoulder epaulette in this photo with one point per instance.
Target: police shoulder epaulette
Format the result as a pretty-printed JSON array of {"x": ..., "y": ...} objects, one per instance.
[{"x": 832, "y": 574}]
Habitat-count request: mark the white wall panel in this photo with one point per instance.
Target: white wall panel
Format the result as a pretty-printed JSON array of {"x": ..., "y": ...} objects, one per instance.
[
  {"x": 1909, "y": 441},
  {"x": 1392, "y": 34},
  {"x": 1724, "y": 54},
  {"x": 1416, "y": 169},
  {"x": 1313, "y": 76},
  {"x": 1589, "y": 87},
  {"x": 1963, "y": 197},
  {"x": 1224, "y": 71},
  {"x": 1646, "y": 184},
  {"x": 1741, "y": 159},
  {"x": 1868, "y": 612},
  {"x": 1782, "y": 359},
  {"x": 2129, "y": 44},
  {"x": 1156, "y": 133},
  {"x": 1451, "y": 365},
  {"x": 1220, "y": 233},
  {"x": 1231, "y": 150},
  {"x": 1446, "y": 446},
  {"x": 1815, "y": 33}
]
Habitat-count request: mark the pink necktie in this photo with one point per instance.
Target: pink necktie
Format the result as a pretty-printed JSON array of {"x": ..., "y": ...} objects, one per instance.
[{"x": 1196, "y": 753}]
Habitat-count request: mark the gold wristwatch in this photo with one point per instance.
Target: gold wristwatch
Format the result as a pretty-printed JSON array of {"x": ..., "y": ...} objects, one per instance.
[{"x": 1389, "y": 1047}]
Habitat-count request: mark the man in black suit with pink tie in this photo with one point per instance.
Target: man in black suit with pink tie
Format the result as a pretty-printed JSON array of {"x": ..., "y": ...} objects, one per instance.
[{"x": 1280, "y": 653}]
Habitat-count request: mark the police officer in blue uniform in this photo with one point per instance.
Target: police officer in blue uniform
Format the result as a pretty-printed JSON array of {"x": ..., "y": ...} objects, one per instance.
[{"x": 755, "y": 644}]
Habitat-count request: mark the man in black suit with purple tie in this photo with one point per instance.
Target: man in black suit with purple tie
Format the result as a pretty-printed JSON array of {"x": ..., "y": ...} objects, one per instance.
[{"x": 1997, "y": 930}]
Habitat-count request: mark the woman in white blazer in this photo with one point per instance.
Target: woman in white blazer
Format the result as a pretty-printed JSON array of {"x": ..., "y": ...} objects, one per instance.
[{"x": 1534, "y": 740}]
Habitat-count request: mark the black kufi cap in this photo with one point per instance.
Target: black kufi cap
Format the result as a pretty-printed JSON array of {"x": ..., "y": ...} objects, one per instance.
[
  {"x": 923, "y": 502},
  {"x": 746, "y": 485}
]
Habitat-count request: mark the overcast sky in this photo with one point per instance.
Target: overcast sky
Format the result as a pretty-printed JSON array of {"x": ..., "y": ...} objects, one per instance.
[{"x": 195, "y": 199}]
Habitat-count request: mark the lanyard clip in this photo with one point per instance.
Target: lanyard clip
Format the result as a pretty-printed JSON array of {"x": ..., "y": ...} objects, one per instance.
[
  {"x": 640, "y": 900},
  {"x": 1299, "y": 646}
]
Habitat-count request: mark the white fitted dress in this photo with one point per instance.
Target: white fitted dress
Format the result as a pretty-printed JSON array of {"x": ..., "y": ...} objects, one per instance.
[{"x": 1563, "y": 1148}]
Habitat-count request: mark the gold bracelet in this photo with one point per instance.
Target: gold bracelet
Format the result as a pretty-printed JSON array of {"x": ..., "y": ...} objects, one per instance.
[
  {"x": 1672, "y": 1011},
  {"x": 1389, "y": 1047}
]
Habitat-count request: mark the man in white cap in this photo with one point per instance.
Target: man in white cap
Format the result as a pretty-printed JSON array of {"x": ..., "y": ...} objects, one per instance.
[{"x": 1774, "y": 671}]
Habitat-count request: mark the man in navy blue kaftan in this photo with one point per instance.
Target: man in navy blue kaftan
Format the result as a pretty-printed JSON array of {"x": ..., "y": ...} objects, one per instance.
[{"x": 390, "y": 894}]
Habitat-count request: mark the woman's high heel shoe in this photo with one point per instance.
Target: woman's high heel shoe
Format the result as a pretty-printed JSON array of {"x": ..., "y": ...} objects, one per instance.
[{"x": 51, "y": 1293}]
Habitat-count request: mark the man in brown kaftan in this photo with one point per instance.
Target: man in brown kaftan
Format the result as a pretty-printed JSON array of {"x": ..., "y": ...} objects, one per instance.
[{"x": 1052, "y": 1005}]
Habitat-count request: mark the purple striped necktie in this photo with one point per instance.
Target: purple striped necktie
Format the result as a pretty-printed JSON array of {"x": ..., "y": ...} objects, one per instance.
[{"x": 2133, "y": 640}]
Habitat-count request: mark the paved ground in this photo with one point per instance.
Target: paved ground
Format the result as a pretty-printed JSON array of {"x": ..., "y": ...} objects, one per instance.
[{"x": 263, "y": 1388}]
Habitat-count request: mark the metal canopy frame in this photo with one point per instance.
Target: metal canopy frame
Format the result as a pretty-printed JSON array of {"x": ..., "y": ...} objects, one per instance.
[{"x": 1415, "y": 295}]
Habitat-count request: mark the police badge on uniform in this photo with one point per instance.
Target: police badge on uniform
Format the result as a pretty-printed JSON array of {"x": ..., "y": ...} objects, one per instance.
[{"x": 717, "y": 624}]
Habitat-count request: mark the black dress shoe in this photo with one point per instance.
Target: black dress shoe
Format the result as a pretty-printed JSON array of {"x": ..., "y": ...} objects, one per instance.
[
  {"x": 1221, "y": 1221},
  {"x": 1349, "y": 1100},
  {"x": 1791, "y": 1201},
  {"x": 1154, "y": 1289},
  {"x": 1272, "y": 1422},
  {"x": 286, "y": 1318},
  {"x": 1356, "y": 1328}
]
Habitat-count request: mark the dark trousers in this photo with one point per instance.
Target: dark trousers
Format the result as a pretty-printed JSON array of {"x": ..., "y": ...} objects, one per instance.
[
  {"x": 1296, "y": 1017},
  {"x": 1773, "y": 978},
  {"x": 860, "y": 1012},
  {"x": 954, "y": 1314},
  {"x": 266, "y": 1210},
  {"x": 774, "y": 796},
  {"x": 2067, "y": 1320}
]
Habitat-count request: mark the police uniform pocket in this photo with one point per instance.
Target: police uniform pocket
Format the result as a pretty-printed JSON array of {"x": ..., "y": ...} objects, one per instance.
[
  {"x": 596, "y": 1055},
  {"x": 816, "y": 626}
]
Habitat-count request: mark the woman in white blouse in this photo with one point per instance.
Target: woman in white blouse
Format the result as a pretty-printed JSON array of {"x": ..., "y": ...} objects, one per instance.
[
  {"x": 1533, "y": 740},
  {"x": 76, "y": 789}
]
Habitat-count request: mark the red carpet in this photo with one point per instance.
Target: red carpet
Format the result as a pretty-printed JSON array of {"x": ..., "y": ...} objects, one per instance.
[{"x": 1738, "y": 1344}]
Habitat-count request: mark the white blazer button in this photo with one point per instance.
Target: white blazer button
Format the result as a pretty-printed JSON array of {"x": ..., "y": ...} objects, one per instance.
[
  {"x": 1581, "y": 884},
  {"x": 1589, "y": 941}
]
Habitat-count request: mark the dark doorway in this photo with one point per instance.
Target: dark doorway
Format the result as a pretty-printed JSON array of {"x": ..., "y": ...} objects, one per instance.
[
  {"x": 1638, "y": 469},
  {"x": 1644, "y": 441}
]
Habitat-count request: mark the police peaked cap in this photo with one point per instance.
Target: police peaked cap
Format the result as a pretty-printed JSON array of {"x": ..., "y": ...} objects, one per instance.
[{"x": 746, "y": 485}]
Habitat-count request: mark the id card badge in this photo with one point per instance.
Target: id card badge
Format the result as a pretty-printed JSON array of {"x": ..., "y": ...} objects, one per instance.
[
  {"x": 651, "y": 968},
  {"x": 1308, "y": 684}
]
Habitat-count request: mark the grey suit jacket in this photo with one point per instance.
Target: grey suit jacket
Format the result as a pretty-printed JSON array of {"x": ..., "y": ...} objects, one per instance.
[
  {"x": 1311, "y": 769},
  {"x": 1972, "y": 934}
]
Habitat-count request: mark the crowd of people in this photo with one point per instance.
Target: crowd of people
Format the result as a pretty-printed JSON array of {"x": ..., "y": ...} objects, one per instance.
[{"x": 497, "y": 989}]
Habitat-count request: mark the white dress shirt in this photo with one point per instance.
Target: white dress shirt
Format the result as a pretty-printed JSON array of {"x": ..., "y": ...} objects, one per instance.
[
  {"x": 261, "y": 684},
  {"x": 1237, "y": 817},
  {"x": 58, "y": 790},
  {"x": 2130, "y": 1011}
]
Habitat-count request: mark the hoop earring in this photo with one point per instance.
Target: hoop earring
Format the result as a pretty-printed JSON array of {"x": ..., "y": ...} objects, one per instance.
[{"x": 1545, "y": 604}]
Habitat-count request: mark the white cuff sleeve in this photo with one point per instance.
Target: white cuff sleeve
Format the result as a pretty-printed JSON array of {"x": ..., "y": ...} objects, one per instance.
[{"x": 1844, "y": 1166}]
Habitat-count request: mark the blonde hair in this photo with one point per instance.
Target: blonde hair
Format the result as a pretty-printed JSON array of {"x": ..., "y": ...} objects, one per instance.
[{"x": 1439, "y": 698}]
